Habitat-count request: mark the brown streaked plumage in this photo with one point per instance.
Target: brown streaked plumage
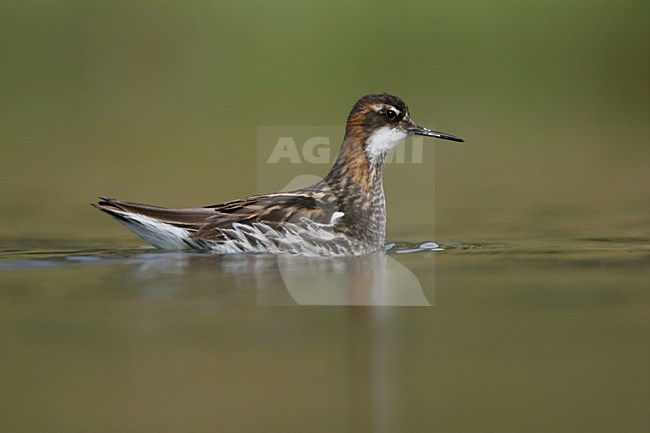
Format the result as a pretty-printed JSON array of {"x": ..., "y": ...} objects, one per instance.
[{"x": 343, "y": 214}]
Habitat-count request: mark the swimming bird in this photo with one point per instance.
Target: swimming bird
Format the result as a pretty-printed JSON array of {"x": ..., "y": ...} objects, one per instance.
[{"x": 343, "y": 214}]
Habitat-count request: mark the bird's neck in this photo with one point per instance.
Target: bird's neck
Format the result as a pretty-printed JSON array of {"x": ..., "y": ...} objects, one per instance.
[
  {"x": 356, "y": 181},
  {"x": 354, "y": 170}
]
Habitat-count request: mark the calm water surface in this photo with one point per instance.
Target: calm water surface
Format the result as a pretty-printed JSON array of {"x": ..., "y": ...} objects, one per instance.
[{"x": 519, "y": 335}]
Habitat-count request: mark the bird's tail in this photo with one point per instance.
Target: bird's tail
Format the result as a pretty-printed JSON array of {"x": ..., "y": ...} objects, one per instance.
[{"x": 162, "y": 228}]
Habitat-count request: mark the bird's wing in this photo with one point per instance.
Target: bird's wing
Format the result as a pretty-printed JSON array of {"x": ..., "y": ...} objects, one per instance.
[
  {"x": 270, "y": 209},
  {"x": 207, "y": 222}
]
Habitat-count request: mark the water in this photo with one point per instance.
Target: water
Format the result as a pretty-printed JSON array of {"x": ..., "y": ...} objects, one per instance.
[{"x": 522, "y": 336}]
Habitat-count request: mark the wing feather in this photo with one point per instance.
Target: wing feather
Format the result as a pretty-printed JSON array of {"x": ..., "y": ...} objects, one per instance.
[{"x": 271, "y": 209}]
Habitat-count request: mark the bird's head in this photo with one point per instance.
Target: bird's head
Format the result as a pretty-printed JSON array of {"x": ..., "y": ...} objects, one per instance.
[{"x": 381, "y": 121}]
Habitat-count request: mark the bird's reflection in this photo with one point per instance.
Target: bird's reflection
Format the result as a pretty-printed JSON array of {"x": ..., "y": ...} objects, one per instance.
[{"x": 374, "y": 279}]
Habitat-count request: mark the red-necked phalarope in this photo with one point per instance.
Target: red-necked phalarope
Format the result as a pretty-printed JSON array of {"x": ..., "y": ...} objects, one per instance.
[{"x": 343, "y": 214}]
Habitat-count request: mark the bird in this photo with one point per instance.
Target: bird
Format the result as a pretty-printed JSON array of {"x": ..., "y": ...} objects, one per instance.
[{"x": 344, "y": 214}]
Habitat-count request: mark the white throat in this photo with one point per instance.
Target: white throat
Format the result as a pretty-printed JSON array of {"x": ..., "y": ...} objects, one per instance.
[{"x": 383, "y": 140}]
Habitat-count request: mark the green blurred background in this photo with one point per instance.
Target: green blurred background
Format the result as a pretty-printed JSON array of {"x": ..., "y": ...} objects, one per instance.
[{"x": 159, "y": 102}]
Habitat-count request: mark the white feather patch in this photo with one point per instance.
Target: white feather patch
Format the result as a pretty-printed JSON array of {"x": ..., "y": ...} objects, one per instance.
[
  {"x": 160, "y": 235},
  {"x": 307, "y": 239},
  {"x": 383, "y": 140},
  {"x": 336, "y": 216}
]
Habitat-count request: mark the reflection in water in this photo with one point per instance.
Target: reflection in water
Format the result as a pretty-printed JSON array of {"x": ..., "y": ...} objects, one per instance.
[{"x": 375, "y": 279}]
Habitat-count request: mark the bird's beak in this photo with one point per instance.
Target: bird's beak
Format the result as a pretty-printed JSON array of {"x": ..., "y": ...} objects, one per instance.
[{"x": 420, "y": 130}]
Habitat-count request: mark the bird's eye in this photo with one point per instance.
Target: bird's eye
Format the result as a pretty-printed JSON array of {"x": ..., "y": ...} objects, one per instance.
[{"x": 391, "y": 114}]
